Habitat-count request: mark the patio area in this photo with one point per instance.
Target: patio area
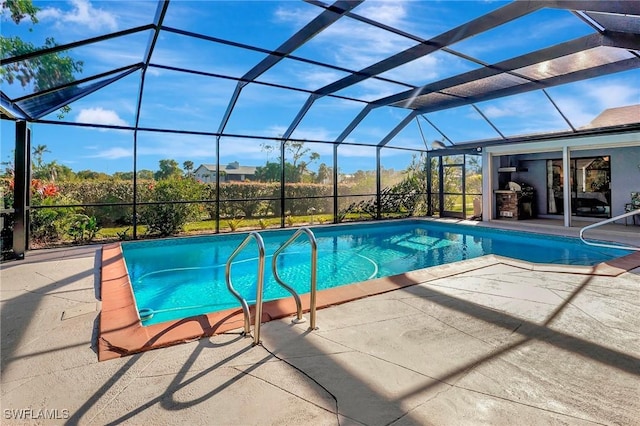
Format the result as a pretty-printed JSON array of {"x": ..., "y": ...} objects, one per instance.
[{"x": 496, "y": 341}]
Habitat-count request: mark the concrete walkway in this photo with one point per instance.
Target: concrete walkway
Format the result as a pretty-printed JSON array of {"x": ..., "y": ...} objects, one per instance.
[{"x": 502, "y": 344}]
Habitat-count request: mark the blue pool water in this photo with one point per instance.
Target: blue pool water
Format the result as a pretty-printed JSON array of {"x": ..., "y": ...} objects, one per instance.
[{"x": 183, "y": 277}]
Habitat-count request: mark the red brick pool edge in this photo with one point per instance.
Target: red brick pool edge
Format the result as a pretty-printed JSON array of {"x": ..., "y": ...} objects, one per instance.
[{"x": 121, "y": 332}]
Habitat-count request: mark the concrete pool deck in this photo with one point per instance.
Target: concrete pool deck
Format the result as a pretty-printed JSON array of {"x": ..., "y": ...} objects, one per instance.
[{"x": 495, "y": 342}]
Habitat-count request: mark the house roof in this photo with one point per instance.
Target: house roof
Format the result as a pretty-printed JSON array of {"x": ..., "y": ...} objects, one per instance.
[
  {"x": 619, "y": 116},
  {"x": 239, "y": 170}
]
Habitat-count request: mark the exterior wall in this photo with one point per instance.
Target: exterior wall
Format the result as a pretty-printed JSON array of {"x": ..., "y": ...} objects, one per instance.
[
  {"x": 204, "y": 175},
  {"x": 625, "y": 173},
  {"x": 234, "y": 178}
]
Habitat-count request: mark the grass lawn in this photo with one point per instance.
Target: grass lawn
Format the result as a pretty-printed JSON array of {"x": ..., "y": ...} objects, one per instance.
[{"x": 226, "y": 225}]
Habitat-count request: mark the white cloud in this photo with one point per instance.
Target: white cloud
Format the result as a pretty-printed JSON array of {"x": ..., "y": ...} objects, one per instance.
[
  {"x": 589, "y": 99},
  {"x": 421, "y": 70},
  {"x": 118, "y": 53},
  {"x": 83, "y": 14},
  {"x": 155, "y": 72},
  {"x": 100, "y": 116},
  {"x": 113, "y": 154},
  {"x": 613, "y": 95},
  {"x": 509, "y": 107},
  {"x": 315, "y": 133},
  {"x": 494, "y": 111},
  {"x": 318, "y": 78},
  {"x": 355, "y": 46},
  {"x": 389, "y": 13},
  {"x": 297, "y": 15},
  {"x": 365, "y": 45},
  {"x": 351, "y": 151}
]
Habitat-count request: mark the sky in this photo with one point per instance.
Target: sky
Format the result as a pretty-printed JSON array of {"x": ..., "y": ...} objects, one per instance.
[{"x": 173, "y": 100}]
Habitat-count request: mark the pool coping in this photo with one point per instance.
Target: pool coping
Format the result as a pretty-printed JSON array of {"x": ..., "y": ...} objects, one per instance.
[{"x": 121, "y": 332}]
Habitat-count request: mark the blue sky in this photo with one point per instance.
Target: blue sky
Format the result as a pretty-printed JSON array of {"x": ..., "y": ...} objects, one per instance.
[{"x": 174, "y": 100}]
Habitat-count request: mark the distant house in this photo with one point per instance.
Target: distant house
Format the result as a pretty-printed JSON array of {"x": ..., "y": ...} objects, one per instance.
[{"x": 231, "y": 172}]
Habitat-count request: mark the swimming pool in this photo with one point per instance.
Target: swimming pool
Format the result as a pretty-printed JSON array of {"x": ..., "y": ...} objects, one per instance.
[{"x": 183, "y": 277}]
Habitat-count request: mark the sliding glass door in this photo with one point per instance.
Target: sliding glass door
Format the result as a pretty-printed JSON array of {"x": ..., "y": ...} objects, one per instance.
[{"x": 590, "y": 187}]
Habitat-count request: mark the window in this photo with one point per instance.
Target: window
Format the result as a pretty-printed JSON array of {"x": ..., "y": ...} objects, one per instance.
[{"x": 590, "y": 186}]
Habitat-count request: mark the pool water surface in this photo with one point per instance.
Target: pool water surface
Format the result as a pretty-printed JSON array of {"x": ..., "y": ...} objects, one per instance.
[{"x": 183, "y": 277}]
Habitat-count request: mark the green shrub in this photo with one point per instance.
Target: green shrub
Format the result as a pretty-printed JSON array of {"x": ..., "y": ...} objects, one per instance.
[
  {"x": 124, "y": 235},
  {"x": 102, "y": 191},
  {"x": 247, "y": 196},
  {"x": 50, "y": 224},
  {"x": 168, "y": 217},
  {"x": 235, "y": 223},
  {"x": 82, "y": 228},
  {"x": 307, "y": 196}
]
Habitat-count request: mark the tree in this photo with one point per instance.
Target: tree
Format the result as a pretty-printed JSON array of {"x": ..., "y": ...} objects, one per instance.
[
  {"x": 58, "y": 172},
  {"x": 9, "y": 169},
  {"x": 324, "y": 173},
  {"x": 43, "y": 72},
  {"x": 188, "y": 168},
  {"x": 294, "y": 171},
  {"x": 302, "y": 167},
  {"x": 168, "y": 169},
  {"x": 123, "y": 175},
  {"x": 267, "y": 148},
  {"x": 38, "y": 153},
  {"x": 49, "y": 171},
  {"x": 298, "y": 151},
  {"x": 20, "y": 9},
  {"x": 145, "y": 174},
  {"x": 91, "y": 175},
  {"x": 269, "y": 173}
]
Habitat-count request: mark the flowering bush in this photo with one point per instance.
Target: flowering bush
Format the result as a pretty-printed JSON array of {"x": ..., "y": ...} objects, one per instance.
[
  {"x": 49, "y": 224},
  {"x": 43, "y": 189}
]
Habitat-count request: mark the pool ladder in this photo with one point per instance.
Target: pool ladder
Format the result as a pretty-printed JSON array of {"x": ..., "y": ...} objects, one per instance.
[{"x": 260, "y": 283}]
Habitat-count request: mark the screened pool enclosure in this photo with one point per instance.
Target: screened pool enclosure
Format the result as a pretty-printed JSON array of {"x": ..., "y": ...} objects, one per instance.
[{"x": 175, "y": 117}]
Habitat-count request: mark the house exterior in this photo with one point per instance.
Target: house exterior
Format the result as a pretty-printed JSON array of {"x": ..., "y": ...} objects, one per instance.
[
  {"x": 588, "y": 176},
  {"x": 232, "y": 172}
]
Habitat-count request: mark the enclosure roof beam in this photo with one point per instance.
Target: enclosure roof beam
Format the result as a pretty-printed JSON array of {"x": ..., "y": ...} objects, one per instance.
[
  {"x": 539, "y": 56},
  {"x": 393, "y": 133},
  {"x": 319, "y": 23},
  {"x": 161, "y": 11},
  {"x": 77, "y": 94},
  {"x": 76, "y": 82},
  {"x": 609, "y": 6},
  {"x": 313, "y": 28},
  {"x": 486, "y": 22},
  {"x": 354, "y": 123},
  {"x": 296, "y": 121},
  {"x": 11, "y": 110},
  {"x": 598, "y": 71},
  {"x": 68, "y": 46}
]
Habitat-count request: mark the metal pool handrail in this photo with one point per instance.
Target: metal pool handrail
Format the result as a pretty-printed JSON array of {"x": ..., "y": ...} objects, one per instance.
[
  {"x": 314, "y": 263},
  {"x": 243, "y": 302},
  {"x": 613, "y": 219}
]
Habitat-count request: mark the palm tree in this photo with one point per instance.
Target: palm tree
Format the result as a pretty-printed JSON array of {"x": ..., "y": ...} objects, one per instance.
[
  {"x": 188, "y": 167},
  {"x": 38, "y": 152}
]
